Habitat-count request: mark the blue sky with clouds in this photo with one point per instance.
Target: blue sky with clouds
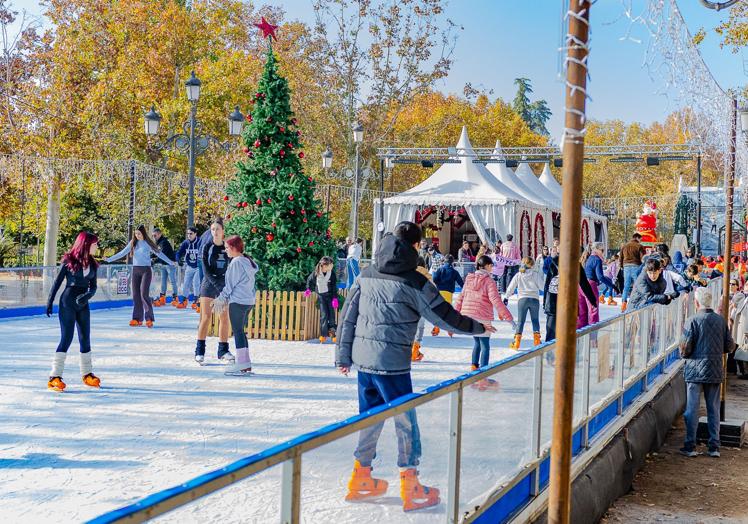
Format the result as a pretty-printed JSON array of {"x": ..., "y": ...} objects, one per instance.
[{"x": 505, "y": 39}]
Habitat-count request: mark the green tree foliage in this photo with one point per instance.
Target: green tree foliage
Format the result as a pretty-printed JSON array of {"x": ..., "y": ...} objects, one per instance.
[
  {"x": 276, "y": 212},
  {"x": 82, "y": 213},
  {"x": 535, "y": 114}
]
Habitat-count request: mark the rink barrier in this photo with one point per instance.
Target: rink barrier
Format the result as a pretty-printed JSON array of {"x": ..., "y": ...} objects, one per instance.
[
  {"x": 647, "y": 339},
  {"x": 31, "y": 311}
]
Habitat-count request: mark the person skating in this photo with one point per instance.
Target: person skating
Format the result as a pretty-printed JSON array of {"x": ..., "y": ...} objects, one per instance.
[
  {"x": 596, "y": 277},
  {"x": 324, "y": 282},
  {"x": 478, "y": 299},
  {"x": 527, "y": 283},
  {"x": 380, "y": 348},
  {"x": 190, "y": 251},
  {"x": 141, "y": 247},
  {"x": 353, "y": 261},
  {"x": 446, "y": 278},
  {"x": 550, "y": 295},
  {"x": 416, "y": 355},
  {"x": 631, "y": 258},
  {"x": 215, "y": 263},
  {"x": 78, "y": 271},
  {"x": 510, "y": 250},
  {"x": 238, "y": 296},
  {"x": 170, "y": 272}
]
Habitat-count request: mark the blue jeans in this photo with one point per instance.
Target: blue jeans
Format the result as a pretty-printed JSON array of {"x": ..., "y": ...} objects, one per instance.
[
  {"x": 171, "y": 271},
  {"x": 191, "y": 285},
  {"x": 691, "y": 415},
  {"x": 481, "y": 351},
  {"x": 419, "y": 332},
  {"x": 629, "y": 277},
  {"x": 375, "y": 390},
  {"x": 533, "y": 306},
  {"x": 607, "y": 291},
  {"x": 352, "y": 271}
]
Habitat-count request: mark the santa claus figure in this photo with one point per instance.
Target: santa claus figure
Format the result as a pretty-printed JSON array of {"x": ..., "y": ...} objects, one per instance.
[{"x": 646, "y": 224}]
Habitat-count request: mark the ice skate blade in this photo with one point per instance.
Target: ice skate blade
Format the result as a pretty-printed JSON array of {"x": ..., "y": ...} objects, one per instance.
[
  {"x": 415, "y": 506},
  {"x": 238, "y": 373},
  {"x": 364, "y": 497}
]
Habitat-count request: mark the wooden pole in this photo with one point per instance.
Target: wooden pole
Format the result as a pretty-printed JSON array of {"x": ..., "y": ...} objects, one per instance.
[
  {"x": 729, "y": 191},
  {"x": 559, "y": 505}
]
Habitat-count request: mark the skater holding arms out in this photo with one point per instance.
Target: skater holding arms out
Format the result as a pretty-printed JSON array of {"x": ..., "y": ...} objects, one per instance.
[
  {"x": 376, "y": 333},
  {"x": 238, "y": 296},
  {"x": 325, "y": 283},
  {"x": 190, "y": 250},
  {"x": 78, "y": 271},
  {"x": 141, "y": 247},
  {"x": 478, "y": 300},
  {"x": 215, "y": 263},
  {"x": 528, "y": 283}
]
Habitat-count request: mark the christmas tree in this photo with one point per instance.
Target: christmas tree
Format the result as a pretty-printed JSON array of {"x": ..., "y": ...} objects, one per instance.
[{"x": 273, "y": 204}]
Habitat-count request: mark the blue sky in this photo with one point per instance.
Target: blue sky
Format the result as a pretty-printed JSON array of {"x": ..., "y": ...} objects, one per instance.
[{"x": 506, "y": 39}]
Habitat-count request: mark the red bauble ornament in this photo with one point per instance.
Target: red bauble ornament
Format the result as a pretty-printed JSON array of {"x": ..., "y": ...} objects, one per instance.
[
  {"x": 293, "y": 121},
  {"x": 238, "y": 204},
  {"x": 258, "y": 95},
  {"x": 311, "y": 244},
  {"x": 298, "y": 133},
  {"x": 319, "y": 214},
  {"x": 282, "y": 153},
  {"x": 249, "y": 116},
  {"x": 290, "y": 145},
  {"x": 228, "y": 217},
  {"x": 305, "y": 220},
  {"x": 269, "y": 237},
  {"x": 303, "y": 211},
  {"x": 290, "y": 197},
  {"x": 309, "y": 178},
  {"x": 298, "y": 250},
  {"x": 273, "y": 172},
  {"x": 292, "y": 212},
  {"x": 245, "y": 204},
  {"x": 225, "y": 198},
  {"x": 269, "y": 200},
  {"x": 254, "y": 230},
  {"x": 258, "y": 202},
  {"x": 250, "y": 154},
  {"x": 273, "y": 224},
  {"x": 301, "y": 154},
  {"x": 282, "y": 129},
  {"x": 291, "y": 175},
  {"x": 258, "y": 143},
  {"x": 245, "y": 149}
]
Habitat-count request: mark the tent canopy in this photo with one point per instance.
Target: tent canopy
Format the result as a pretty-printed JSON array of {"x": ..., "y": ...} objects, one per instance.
[{"x": 507, "y": 177}]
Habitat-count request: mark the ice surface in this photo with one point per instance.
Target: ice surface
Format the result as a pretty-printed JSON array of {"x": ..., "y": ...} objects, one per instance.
[{"x": 160, "y": 419}]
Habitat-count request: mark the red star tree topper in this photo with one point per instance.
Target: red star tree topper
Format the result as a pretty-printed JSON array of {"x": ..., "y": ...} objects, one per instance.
[
  {"x": 268, "y": 29},
  {"x": 286, "y": 242}
]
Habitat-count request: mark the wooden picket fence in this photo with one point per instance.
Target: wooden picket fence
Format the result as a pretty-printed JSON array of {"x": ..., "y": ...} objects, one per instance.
[{"x": 281, "y": 315}]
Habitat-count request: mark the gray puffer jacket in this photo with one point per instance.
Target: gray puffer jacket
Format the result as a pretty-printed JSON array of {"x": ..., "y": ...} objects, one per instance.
[
  {"x": 647, "y": 291},
  {"x": 705, "y": 339},
  {"x": 382, "y": 310}
]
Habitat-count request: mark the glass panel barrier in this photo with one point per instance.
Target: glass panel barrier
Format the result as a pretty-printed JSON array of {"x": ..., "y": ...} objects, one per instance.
[
  {"x": 604, "y": 363},
  {"x": 325, "y": 471},
  {"x": 633, "y": 359},
  {"x": 548, "y": 386},
  {"x": 580, "y": 379},
  {"x": 497, "y": 429}
]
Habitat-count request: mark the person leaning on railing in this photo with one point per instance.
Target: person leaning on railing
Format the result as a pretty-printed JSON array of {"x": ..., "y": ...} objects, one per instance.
[
  {"x": 378, "y": 325},
  {"x": 650, "y": 287}
]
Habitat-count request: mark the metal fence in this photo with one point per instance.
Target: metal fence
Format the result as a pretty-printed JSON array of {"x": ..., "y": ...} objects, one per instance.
[{"x": 489, "y": 454}]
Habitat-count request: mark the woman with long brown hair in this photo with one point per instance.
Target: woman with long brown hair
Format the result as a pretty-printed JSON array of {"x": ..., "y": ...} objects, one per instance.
[
  {"x": 78, "y": 270},
  {"x": 141, "y": 247}
]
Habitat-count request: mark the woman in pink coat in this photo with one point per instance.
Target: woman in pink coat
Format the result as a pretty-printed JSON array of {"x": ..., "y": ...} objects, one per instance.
[{"x": 478, "y": 300}]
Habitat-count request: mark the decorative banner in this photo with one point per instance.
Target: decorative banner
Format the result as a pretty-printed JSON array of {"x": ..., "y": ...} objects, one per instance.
[
  {"x": 603, "y": 357},
  {"x": 123, "y": 282},
  {"x": 506, "y": 261}
]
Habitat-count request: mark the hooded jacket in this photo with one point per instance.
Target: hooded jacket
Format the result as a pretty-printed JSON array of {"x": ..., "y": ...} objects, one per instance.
[
  {"x": 382, "y": 310},
  {"x": 550, "y": 291},
  {"x": 480, "y": 297},
  {"x": 240, "y": 281},
  {"x": 648, "y": 291}
]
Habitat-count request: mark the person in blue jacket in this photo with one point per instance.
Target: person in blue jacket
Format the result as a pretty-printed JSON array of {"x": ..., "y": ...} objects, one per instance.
[
  {"x": 446, "y": 277},
  {"x": 189, "y": 250},
  {"x": 593, "y": 269}
]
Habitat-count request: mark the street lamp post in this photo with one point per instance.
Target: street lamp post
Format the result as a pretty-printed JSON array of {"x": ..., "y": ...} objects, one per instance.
[
  {"x": 192, "y": 140},
  {"x": 387, "y": 163},
  {"x": 326, "y": 165},
  {"x": 358, "y": 137}
]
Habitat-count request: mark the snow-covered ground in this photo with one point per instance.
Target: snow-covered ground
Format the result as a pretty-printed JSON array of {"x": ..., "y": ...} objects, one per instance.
[{"x": 159, "y": 419}]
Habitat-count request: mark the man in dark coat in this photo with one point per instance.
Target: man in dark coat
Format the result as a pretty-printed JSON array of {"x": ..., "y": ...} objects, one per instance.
[{"x": 706, "y": 338}]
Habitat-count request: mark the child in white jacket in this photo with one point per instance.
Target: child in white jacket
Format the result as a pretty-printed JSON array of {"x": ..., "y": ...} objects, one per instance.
[{"x": 528, "y": 283}]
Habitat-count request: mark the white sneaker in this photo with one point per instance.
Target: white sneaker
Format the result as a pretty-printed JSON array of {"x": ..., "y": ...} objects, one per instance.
[
  {"x": 200, "y": 359},
  {"x": 227, "y": 358}
]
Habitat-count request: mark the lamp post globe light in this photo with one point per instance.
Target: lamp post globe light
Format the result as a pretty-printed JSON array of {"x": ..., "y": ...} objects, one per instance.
[
  {"x": 358, "y": 137},
  {"x": 744, "y": 119},
  {"x": 326, "y": 159},
  {"x": 192, "y": 140}
]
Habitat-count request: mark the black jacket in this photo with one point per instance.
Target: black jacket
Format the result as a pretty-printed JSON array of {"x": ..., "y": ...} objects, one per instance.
[
  {"x": 332, "y": 284},
  {"x": 648, "y": 291},
  {"x": 550, "y": 294},
  {"x": 81, "y": 285},
  {"x": 381, "y": 312},
  {"x": 165, "y": 246}
]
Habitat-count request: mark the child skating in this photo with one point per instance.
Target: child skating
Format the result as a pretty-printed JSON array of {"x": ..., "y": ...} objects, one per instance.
[
  {"x": 324, "y": 282},
  {"x": 376, "y": 333},
  {"x": 478, "y": 300},
  {"x": 238, "y": 296},
  {"x": 190, "y": 250},
  {"x": 78, "y": 271},
  {"x": 527, "y": 282}
]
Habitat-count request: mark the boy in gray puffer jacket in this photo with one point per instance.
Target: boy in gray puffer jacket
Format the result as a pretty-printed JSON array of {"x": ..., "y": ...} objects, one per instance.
[{"x": 379, "y": 323}]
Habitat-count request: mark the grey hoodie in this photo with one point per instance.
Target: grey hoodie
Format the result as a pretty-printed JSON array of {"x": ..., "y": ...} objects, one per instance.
[{"x": 240, "y": 282}]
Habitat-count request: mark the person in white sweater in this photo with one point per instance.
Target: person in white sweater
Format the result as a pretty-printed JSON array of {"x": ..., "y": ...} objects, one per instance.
[
  {"x": 527, "y": 282},
  {"x": 238, "y": 295}
]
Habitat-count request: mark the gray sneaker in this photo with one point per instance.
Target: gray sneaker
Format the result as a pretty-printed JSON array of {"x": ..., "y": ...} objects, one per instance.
[
  {"x": 688, "y": 452},
  {"x": 714, "y": 453}
]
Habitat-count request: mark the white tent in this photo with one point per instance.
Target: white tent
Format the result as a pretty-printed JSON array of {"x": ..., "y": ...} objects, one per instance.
[
  {"x": 507, "y": 177},
  {"x": 494, "y": 209},
  {"x": 528, "y": 178}
]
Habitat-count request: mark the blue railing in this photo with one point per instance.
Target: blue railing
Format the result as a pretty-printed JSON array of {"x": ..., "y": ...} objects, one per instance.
[{"x": 488, "y": 453}]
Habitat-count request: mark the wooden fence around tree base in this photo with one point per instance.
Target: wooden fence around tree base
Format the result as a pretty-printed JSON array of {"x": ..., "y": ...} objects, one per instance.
[{"x": 281, "y": 315}]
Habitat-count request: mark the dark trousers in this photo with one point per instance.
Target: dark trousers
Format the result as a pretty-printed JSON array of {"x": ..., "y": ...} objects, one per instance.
[
  {"x": 509, "y": 272},
  {"x": 531, "y": 305},
  {"x": 375, "y": 390},
  {"x": 72, "y": 315},
  {"x": 327, "y": 322},
  {"x": 141, "y": 299},
  {"x": 481, "y": 351},
  {"x": 238, "y": 315},
  {"x": 550, "y": 327}
]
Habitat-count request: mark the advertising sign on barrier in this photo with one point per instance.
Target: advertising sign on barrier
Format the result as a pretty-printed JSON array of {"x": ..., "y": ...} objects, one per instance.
[{"x": 123, "y": 279}]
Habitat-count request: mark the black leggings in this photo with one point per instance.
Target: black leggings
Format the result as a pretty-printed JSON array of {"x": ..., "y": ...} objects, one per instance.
[
  {"x": 327, "y": 322},
  {"x": 238, "y": 315},
  {"x": 141, "y": 293},
  {"x": 70, "y": 317}
]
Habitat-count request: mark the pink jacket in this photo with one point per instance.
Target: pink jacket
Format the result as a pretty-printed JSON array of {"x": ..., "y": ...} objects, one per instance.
[{"x": 480, "y": 297}]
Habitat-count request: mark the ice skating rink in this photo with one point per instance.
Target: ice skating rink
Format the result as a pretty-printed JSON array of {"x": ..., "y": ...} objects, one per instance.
[{"x": 160, "y": 419}]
